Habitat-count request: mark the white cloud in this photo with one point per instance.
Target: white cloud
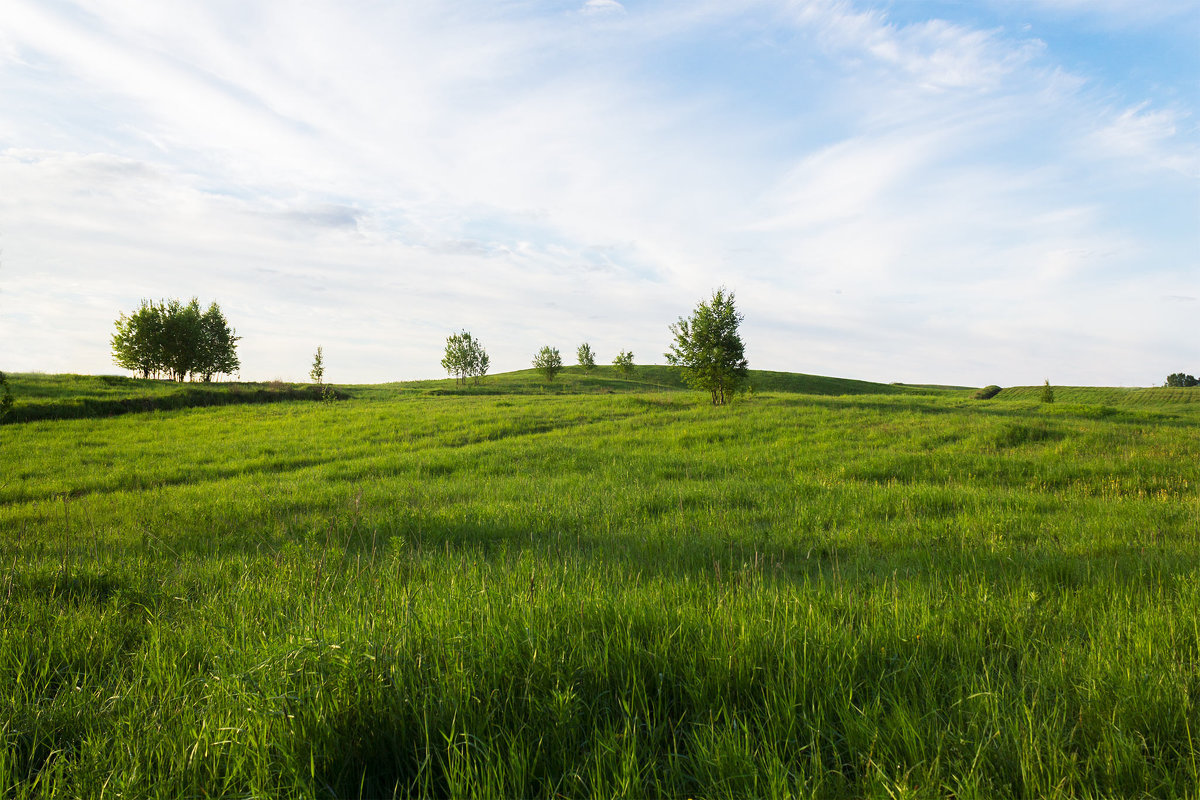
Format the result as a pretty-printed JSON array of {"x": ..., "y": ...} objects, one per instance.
[
  {"x": 371, "y": 177},
  {"x": 602, "y": 7},
  {"x": 1150, "y": 137}
]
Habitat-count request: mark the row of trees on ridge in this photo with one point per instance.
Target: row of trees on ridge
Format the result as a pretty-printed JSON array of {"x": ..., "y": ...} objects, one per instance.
[
  {"x": 706, "y": 345},
  {"x": 170, "y": 339}
]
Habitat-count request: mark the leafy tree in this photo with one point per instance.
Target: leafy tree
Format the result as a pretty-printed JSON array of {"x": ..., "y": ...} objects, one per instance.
[
  {"x": 709, "y": 348},
  {"x": 6, "y": 400},
  {"x": 317, "y": 373},
  {"x": 182, "y": 338},
  {"x": 479, "y": 361},
  {"x": 548, "y": 361},
  {"x": 218, "y": 345},
  {"x": 137, "y": 343},
  {"x": 624, "y": 362},
  {"x": 1047, "y": 393},
  {"x": 1180, "y": 380},
  {"x": 587, "y": 359},
  {"x": 465, "y": 358}
]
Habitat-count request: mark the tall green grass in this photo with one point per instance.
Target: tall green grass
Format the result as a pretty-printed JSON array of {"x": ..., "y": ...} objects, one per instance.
[{"x": 603, "y": 595}]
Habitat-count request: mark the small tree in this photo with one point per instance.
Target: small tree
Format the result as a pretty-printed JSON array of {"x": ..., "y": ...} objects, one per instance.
[
  {"x": 1180, "y": 380},
  {"x": 218, "y": 345},
  {"x": 709, "y": 348},
  {"x": 465, "y": 358},
  {"x": 138, "y": 342},
  {"x": 317, "y": 373},
  {"x": 624, "y": 362},
  {"x": 548, "y": 361},
  {"x": 478, "y": 362},
  {"x": 1047, "y": 393},
  {"x": 587, "y": 359}
]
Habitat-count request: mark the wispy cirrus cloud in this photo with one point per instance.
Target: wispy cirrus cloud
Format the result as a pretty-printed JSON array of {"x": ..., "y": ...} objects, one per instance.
[{"x": 925, "y": 196}]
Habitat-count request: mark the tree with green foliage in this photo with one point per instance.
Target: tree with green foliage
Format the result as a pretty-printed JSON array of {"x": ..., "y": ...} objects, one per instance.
[
  {"x": 710, "y": 349},
  {"x": 1047, "y": 395},
  {"x": 1180, "y": 380},
  {"x": 587, "y": 358},
  {"x": 176, "y": 340},
  {"x": 217, "y": 353},
  {"x": 480, "y": 363},
  {"x": 548, "y": 361},
  {"x": 137, "y": 343},
  {"x": 317, "y": 373},
  {"x": 624, "y": 362},
  {"x": 6, "y": 399},
  {"x": 465, "y": 358}
]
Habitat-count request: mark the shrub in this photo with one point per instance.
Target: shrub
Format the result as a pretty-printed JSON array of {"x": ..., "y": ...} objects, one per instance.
[
  {"x": 6, "y": 398},
  {"x": 987, "y": 392}
]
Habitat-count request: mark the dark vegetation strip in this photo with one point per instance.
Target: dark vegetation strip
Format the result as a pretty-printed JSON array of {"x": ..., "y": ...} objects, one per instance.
[{"x": 92, "y": 407}]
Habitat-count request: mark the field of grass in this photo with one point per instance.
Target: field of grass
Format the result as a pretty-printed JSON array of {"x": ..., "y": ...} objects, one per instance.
[
  {"x": 1155, "y": 397},
  {"x": 596, "y": 594},
  {"x": 45, "y": 397}
]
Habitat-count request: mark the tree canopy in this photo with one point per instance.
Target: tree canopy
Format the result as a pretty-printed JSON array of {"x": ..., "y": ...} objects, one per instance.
[
  {"x": 176, "y": 340},
  {"x": 1181, "y": 380},
  {"x": 709, "y": 348}
]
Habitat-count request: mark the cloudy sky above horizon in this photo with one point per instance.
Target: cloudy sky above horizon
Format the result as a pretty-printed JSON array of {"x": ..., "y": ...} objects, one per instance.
[{"x": 923, "y": 191}]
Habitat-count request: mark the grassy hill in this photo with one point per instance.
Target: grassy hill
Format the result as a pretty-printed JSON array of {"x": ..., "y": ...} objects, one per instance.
[
  {"x": 601, "y": 594},
  {"x": 1153, "y": 397},
  {"x": 42, "y": 396},
  {"x": 659, "y": 378}
]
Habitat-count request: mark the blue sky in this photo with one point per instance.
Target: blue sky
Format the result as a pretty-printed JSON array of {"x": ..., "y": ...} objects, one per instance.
[{"x": 953, "y": 192}]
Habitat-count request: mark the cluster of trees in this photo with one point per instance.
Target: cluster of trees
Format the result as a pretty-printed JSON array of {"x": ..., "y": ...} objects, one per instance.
[
  {"x": 549, "y": 361},
  {"x": 707, "y": 346},
  {"x": 1180, "y": 380},
  {"x": 465, "y": 358},
  {"x": 176, "y": 341}
]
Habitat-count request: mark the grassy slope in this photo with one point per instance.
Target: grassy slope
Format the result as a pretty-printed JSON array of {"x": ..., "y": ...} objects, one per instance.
[
  {"x": 42, "y": 396},
  {"x": 647, "y": 378},
  {"x": 626, "y": 594},
  {"x": 1109, "y": 396}
]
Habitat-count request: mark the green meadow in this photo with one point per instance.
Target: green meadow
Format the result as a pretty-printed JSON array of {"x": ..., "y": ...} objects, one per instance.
[{"x": 601, "y": 588}]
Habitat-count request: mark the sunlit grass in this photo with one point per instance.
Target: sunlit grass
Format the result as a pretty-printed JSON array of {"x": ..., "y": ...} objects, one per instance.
[{"x": 603, "y": 595}]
